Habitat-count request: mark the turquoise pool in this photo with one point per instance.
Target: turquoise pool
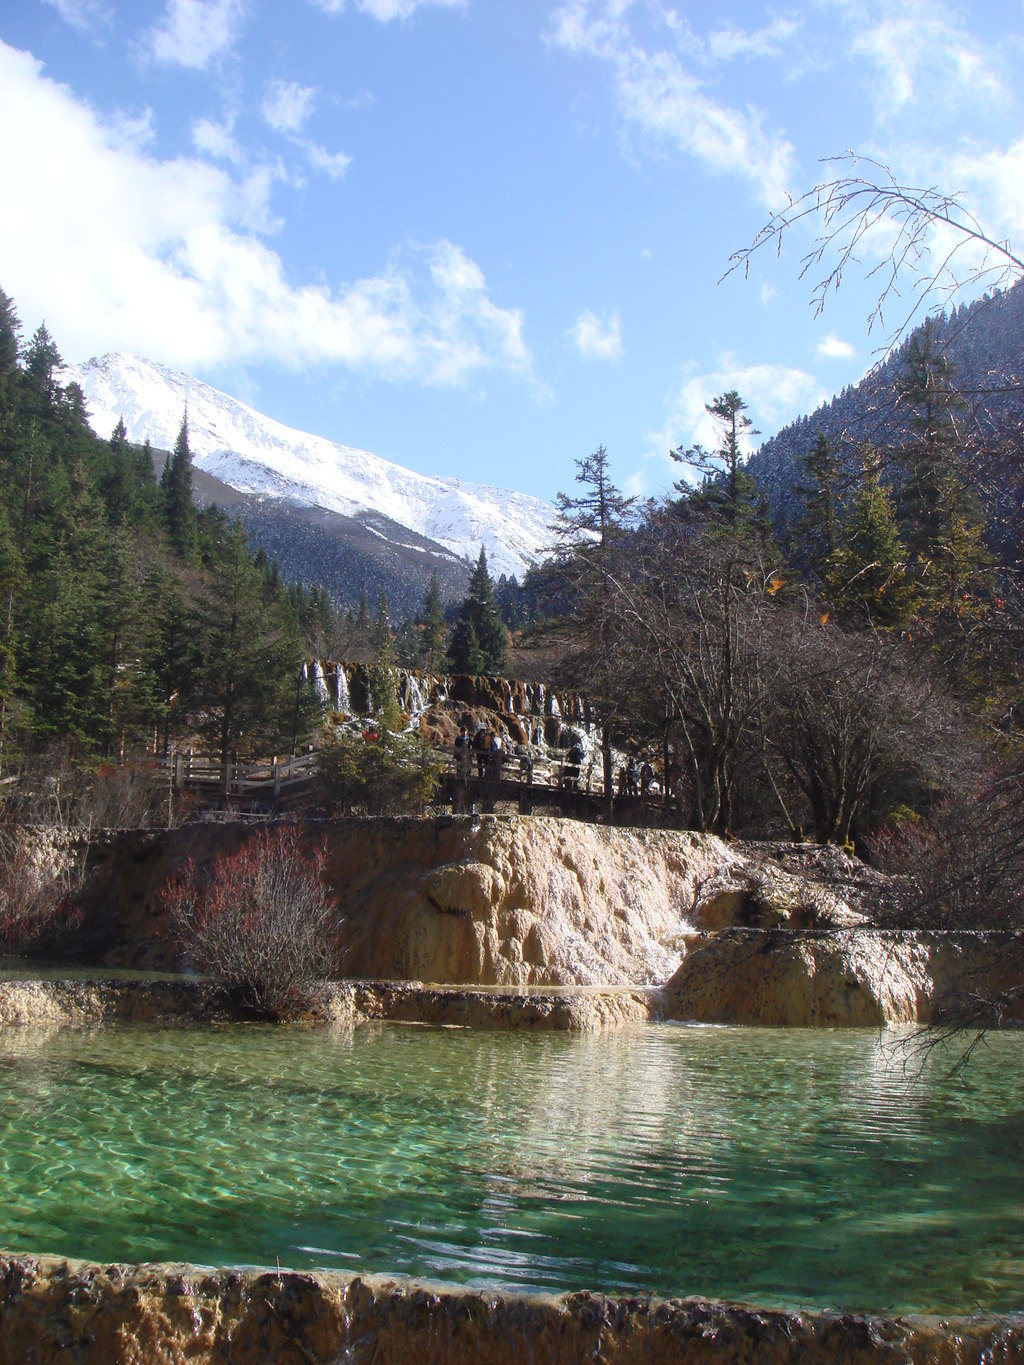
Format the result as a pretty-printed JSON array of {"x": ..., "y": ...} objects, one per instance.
[{"x": 788, "y": 1168}]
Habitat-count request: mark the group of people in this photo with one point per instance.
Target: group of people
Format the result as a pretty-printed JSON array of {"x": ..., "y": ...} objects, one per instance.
[
  {"x": 490, "y": 754},
  {"x": 485, "y": 746},
  {"x": 636, "y": 779}
]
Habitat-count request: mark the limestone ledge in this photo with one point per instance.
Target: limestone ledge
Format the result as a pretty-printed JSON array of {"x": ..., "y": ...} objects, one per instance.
[
  {"x": 855, "y": 977},
  {"x": 54, "y": 1310},
  {"x": 63, "y": 1003}
]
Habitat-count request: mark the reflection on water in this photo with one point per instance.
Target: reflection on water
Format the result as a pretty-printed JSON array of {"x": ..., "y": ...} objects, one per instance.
[{"x": 785, "y": 1168}]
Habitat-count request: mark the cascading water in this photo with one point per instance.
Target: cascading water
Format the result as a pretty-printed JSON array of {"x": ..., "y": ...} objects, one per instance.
[
  {"x": 342, "y": 700},
  {"x": 415, "y": 700},
  {"x": 323, "y": 696}
]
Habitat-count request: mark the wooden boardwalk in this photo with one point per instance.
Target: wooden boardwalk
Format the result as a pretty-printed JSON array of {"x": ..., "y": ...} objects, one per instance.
[{"x": 277, "y": 784}]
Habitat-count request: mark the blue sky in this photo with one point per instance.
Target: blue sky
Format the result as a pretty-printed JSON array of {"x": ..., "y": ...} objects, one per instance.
[{"x": 481, "y": 237}]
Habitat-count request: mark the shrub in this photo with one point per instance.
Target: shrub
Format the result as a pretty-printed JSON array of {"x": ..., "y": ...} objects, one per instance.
[
  {"x": 38, "y": 879},
  {"x": 260, "y": 921},
  {"x": 963, "y": 866},
  {"x": 388, "y": 775}
]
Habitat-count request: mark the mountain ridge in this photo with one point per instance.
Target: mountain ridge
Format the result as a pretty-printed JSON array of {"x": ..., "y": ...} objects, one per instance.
[{"x": 261, "y": 458}]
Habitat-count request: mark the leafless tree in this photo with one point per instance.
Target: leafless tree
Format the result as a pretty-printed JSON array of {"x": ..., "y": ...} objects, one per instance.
[
  {"x": 918, "y": 232},
  {"x": 852, "y": 718},
  {"x": 260, "y": 921}
]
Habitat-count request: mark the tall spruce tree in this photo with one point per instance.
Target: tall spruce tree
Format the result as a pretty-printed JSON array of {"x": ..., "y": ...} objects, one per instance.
[
  {"x": 867, "y": 574},
  {"x": 434, "y": 627},
  {"x": 820, "y": 490},
  {"x": 480, "y": 610},
  {"x": 176, "y": 483},
  {"x": 727, "y": 491}
]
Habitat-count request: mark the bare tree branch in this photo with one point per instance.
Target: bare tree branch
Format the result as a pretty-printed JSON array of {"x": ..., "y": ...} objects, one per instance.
[{"x": 865, "y": 201}]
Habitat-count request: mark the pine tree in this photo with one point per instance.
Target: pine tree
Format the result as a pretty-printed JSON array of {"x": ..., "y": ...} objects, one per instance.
[
  {"x": 932, "y": 471},
  {"x": 728, "y": 491},
  {"x": 867, "y": 572},
  {"x": 179, "y": 509},
  {"x": 435, "y": 627},
  {"x": 464, "y": 648},
  {"x": 599, "y": 514},
  {"x": 480, "y": 610},
  {"x": 251, "y": 654},
  {"x": 42, "y": 364}
]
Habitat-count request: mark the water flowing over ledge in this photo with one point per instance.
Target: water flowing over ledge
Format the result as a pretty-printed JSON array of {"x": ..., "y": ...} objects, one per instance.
[{"x": 55, "y": 1310}]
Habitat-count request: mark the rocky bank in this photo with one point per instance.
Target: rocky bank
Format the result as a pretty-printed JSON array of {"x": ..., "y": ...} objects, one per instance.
[{"x": 54, "y": 1310}]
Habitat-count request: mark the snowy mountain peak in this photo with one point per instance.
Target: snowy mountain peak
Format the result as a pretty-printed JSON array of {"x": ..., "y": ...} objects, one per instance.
[{"x": 261, "y": 457}]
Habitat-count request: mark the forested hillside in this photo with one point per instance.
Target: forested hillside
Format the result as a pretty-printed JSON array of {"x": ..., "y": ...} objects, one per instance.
[
  {"x": 127, "y": 616},
  {"x": 982, "y": 344}
]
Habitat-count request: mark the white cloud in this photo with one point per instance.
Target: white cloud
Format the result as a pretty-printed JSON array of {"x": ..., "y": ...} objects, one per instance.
[
  {"x": 334, "y": 163},
  {"x": 386, "y": 10},
  {"x": 287, "y": 105},
  {"x": 725, "y": 44},
  {"x": 193, "y": 33},
  {"x": 286, "y": 108},
  {"x": 997, "y": 178},
  {"x": 216, "y": 140},
  {"x": 774, "y": 395},
  {"x": 163, "y": 258},
  {"x": 767, "y": 292},
  {"x": 658, "y": 95},
  {"x": 832, "y": 347},
  {"x": 83, "y": 14},
  {"x": 915, "y": 39},
  {"x": 597, "y": 340}
]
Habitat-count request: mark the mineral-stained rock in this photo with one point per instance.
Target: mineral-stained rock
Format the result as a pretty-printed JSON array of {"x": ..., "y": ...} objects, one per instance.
[
  {"x": 502, "y": 901},
  {"x": 860, "y": 976},
  {"x": 57, "y": 1311}
]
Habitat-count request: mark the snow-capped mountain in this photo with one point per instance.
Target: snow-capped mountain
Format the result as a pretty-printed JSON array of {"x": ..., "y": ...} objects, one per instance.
[{"x": 265, "y": 459}]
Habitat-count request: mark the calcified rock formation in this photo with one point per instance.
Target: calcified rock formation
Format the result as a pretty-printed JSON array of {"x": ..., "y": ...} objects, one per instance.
[
  {"x": 56, "y": 1004},
  {"x": 502, "y": 901},
  {"x": 122, "y": 1315},
  {"x": 853, "y": 977},
  {"x": 732, "y": 933}
]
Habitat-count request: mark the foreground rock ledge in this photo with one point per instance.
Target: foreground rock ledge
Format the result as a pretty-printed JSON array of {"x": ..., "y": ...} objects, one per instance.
[
  {"x": 55, "y": 1310},
  {"x": 83, "y": 1004}
]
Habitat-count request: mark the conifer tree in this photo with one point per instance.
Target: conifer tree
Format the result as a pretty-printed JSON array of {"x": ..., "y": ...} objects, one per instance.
[
  {"x": 435, "y": 628},
  {"x": 480, "y": 610},
  {"x": 464, "y": 648},
  {"x": 932, "y": 471},
  {"x": 599, "y": 514},
  {"x": 867, "y": 572},
  {"x": 251, "y": 654},
  {"x": 179, "y": 509},
  {"x": 728, "y": 491},
  {"x": 820, "y": 492},
  {"x": 42, "y": 364}
]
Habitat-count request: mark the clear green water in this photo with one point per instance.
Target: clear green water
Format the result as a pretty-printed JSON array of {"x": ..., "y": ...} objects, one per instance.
[{"x": 790, "y": 1168}]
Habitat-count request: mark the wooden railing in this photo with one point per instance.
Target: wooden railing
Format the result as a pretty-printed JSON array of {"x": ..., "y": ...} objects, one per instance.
[{"x": 249, "y": 777}]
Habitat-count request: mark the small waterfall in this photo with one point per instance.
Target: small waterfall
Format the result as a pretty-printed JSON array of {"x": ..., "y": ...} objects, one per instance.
[
  {"x": 320, "y": 683},
  {"x": 416, "y": 702},
  {"x": 556, "y": 710},
  {"x": 540, "y": 699},
  {"x": 342, "y": 700},
  {"x": 506, "y": 694}
]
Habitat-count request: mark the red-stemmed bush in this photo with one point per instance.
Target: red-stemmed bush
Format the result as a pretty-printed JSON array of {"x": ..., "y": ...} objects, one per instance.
[{"x": 260, "y": 921}]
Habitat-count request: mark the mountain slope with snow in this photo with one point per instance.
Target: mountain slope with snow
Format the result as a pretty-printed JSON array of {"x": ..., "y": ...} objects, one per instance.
[{"x": 265, "y": 459}]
